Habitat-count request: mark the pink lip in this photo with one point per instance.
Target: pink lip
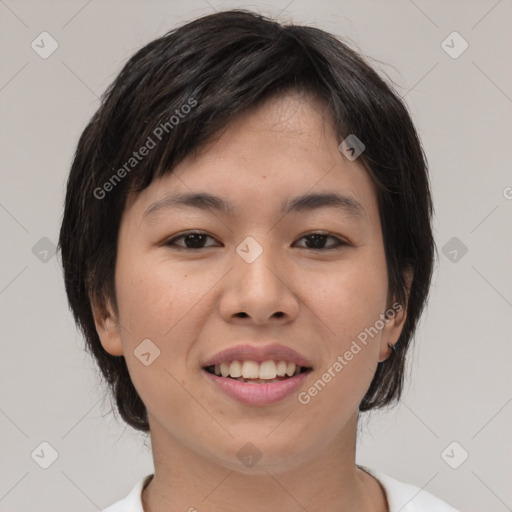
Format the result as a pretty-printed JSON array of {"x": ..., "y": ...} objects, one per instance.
[
  {"x": 258, "y": 394},
  {"x": 259, "y": 353}
]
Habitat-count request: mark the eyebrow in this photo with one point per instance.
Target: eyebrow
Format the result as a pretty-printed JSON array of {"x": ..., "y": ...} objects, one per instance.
[{"x": 302, "y": 203}]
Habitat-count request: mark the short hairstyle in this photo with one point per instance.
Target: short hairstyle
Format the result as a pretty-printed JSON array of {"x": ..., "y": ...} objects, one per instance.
[{"x": 180, "y": 90}]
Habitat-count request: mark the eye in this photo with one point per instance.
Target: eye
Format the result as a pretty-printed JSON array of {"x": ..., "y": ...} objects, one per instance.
[
  {"x": 317, "y": 240},
  {"x": 195, "y": 240}
]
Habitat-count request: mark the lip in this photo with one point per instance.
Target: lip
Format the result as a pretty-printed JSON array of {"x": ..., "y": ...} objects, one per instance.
[
  {"x": 258, "y": 394},
  {"x": 259, "y": 353}
]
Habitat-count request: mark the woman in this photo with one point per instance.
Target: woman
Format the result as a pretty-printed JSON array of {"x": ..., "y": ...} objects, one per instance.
[{"x": 247, "y": 249}]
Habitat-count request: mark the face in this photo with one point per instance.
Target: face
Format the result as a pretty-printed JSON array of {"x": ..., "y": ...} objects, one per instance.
[{"x": 273, "y": 278}]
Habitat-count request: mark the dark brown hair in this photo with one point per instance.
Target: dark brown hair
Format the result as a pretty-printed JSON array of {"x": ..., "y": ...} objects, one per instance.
[{"x": 221, "y": 65}]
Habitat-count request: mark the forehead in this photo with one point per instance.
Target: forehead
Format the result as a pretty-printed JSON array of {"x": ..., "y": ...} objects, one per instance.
[
  {"x": 269, "y": 156},
  {"x": 295, "y": 120}
]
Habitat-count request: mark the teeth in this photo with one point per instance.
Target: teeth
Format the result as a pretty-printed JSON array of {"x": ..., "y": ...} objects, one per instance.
[
  {"x": 250, "y": 370},
  {"x": 281, "y": 368},
  {"x": 235, "y": 369},
  {"x": 266, "y": 370},
  {"x": 290, "y": 369},
  {"x": 224, "y": 369}
]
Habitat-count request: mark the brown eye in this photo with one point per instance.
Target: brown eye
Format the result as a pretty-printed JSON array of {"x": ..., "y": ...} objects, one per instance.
[
  {"x": 317, "y": 241},
  {"x": 193, "y": 240}
]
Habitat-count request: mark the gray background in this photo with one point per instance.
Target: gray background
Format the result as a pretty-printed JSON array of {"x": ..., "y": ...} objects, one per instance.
[{"x": 461, "y": 389}]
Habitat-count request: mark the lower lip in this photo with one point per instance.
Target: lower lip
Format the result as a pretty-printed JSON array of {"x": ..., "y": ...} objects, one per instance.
[{"x": 258, "y": 394}]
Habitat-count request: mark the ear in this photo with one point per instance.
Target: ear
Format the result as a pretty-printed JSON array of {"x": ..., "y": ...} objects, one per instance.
[
  {"x": 396, "y": 315},
  {"x": 107, "y": 327}
]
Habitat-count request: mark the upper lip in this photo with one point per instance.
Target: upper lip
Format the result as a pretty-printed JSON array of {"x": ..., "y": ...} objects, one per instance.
[{"x": 259, "y": 353}]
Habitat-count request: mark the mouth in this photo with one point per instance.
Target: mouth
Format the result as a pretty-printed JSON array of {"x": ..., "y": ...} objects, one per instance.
[
  {"x": 256, "y": 372},
  {"x": 257, "y": 383}
]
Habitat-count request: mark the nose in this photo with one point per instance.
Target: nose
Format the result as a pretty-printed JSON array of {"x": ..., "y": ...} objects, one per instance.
[{"x": 259, "y": 291}]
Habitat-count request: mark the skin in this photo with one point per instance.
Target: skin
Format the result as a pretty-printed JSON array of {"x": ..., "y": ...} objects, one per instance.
[{"x": 187, "y": 302}]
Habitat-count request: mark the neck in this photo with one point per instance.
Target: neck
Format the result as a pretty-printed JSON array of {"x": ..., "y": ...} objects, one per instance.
[{"x": 326, "y": 481}]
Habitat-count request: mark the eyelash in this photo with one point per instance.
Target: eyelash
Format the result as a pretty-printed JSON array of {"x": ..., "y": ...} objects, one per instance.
[{"x": 171, "y": 243}]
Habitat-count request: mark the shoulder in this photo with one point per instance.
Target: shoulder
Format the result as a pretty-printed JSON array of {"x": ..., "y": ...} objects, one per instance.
[
  {"x": 408, "y": 498},
  {"x": 132, "y": 502}
]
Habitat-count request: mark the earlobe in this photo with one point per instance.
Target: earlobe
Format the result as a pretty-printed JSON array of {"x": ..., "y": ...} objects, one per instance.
[
  {"x": 396, "y": 316},
  {"x": 395, "y": 321},
  {"x": 107, "y": 328}
]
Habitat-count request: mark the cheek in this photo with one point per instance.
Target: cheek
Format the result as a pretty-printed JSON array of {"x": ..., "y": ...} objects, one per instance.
[
  {"x": 153, "y": 295},
  {"x": 350, "y": 305},
  {"x": 166, "y": 303},
  {"x": 156, "y": 303},
  {"x": 355, "y": 295}
]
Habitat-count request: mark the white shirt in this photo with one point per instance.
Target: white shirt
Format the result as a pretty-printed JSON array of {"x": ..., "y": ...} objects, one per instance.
[{"x": 401, "y": 497}]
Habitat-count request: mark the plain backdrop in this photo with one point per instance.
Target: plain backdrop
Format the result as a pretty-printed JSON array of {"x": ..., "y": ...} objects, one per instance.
[{"x": 460, "y": 388}]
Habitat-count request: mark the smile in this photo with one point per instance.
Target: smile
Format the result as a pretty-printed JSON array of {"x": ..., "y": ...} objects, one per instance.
[
  {"x": 257, "y": 383},
  {"x": 264, "y": 372}
]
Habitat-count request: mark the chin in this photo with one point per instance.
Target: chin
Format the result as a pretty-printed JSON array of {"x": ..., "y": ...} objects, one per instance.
[{"x": 262, "y": 457}]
